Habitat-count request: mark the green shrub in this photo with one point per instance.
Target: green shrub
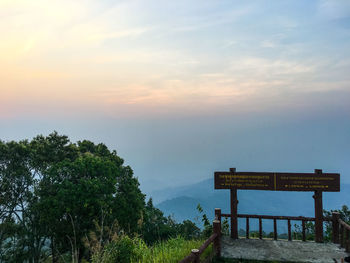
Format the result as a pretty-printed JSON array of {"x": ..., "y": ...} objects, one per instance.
[
  {"x": 121, "y": 250},
  {"x": 127, "y": 250},
  {"x": 170, "y": 251}
]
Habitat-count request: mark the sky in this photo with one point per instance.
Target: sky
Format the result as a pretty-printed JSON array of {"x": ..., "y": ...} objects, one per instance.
[{"x": 183, "y": 88}]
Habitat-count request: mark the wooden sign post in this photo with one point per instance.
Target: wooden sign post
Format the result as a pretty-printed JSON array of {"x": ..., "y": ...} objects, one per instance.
[
  {"x": 318, "y": 213},
  {"x": 317, "y": 182},
  {"x": 233, "y": 206}
]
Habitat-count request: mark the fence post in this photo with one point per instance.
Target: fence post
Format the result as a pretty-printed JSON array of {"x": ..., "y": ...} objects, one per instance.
[
  {"x": 303, "y": 227},
  {"x": 318, "y": 213},
  {"x": 341, "y": 235},
  {"x": 275, "y": 229},
  {"x": 217, "y": 240},
  {"x": 260, "y": 228},
  {"x": 196, "y": 254},
  {"x": 218, "y": 214},
  {"x": 289, "y": 231},
  {"x": 247, "y": 228},
  {"x": 233, "y": 205},
  {"x": 347, "y": 240},
  {"x": 335, "y": 227}
]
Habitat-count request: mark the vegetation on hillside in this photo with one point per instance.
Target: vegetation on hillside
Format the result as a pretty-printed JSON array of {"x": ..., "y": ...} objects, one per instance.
[
  {"x": 227, "y": 260},
  {"x": 56, "y": 196},
  {"x": 77, "y": 202},
  {"x": 125, "y": 249}
]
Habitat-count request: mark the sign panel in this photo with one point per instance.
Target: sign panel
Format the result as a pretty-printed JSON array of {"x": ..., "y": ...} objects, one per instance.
[{"x": 328, "y": 182}]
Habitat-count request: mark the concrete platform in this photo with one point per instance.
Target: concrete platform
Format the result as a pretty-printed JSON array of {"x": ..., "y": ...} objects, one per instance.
[{"x": 281, "y": 250}]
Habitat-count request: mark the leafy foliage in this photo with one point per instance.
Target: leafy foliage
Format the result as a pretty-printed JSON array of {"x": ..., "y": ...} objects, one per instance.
[
  {"x": 309, "y": 231},
  {"x": 63, "y": 201},
  {"x": 208, "y": 228},
  {"x": 52, "y": 190},
  {"x": 156, "y": 226},
  {"x": 170, "y": 251},
  {"x": 344, "y": 215}
]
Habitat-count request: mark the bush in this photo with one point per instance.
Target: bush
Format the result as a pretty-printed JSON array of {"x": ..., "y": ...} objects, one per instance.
[
  {"x": 127, "y": 250},
  {"x": 121, "y": 250},
  {"x": 170, "y": 251}
]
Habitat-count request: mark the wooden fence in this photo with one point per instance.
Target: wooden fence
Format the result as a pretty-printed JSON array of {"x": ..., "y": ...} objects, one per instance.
[
  {"x": 288, "y": 219},
  {"x": 215, "y": 238},
  {"x": 340, "y": 232}
]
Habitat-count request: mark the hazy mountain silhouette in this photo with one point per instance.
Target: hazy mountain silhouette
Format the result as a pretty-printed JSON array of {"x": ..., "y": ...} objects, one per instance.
[{"x": 181, "y": 202}]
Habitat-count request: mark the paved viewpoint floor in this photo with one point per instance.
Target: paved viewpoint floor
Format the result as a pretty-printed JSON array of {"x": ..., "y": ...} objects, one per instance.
[{"x": 281, "y": 250}]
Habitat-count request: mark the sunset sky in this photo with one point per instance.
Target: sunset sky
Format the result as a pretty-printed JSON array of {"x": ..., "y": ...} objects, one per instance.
[{"x": 183, "y": 88}]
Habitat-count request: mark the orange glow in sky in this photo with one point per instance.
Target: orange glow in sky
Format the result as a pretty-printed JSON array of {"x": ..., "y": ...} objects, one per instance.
[{"x": 133, "y": 57}]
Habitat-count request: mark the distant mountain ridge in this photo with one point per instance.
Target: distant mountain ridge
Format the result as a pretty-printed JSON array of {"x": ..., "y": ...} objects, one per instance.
[
  {"x": 196, "y": 190},
  {"x": 181, "y": 202}
]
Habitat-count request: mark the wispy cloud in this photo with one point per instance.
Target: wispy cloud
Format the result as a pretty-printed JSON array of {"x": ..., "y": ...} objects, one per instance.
[
  {"x": 334, "y": 9},
  {"x": 177, "y": 54}
]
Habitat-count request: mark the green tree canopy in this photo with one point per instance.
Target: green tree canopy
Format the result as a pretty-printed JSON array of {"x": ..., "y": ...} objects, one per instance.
[
  {"x": 52, "y": 192},
  {"x": 55, "y": 195}
]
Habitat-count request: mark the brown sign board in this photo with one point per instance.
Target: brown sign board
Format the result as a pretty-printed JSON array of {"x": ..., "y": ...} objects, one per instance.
[{"x": 328, "y": 182}]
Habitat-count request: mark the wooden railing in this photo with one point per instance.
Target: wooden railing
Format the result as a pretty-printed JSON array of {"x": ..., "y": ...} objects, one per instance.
[
  {"x": 341, "y": 232},
  {"x": 303, "y": 220},
  {"x": 195, "y": 254}
]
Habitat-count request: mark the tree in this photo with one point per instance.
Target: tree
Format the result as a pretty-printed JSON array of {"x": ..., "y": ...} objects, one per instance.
[
  {"x": 130, "y": 202},
  {"x": 52, "y": 190},
  {"x": 74, "y": 194},
  {"x": 155, "y": 225},
  {"x": 344, "y": 215},
  {"x": 78, "y": 192},
  {"x": 189, "y": 230},
  {"x": 208, "y": 228},
  {"x": 20, "y": 236}
]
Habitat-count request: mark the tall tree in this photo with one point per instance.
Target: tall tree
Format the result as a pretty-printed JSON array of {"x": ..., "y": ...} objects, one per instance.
[{"x": 52, "y": 191}]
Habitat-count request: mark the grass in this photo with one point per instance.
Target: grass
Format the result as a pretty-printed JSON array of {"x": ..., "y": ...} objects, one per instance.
[
  {"x": 170, "y": 251},
  {"x": 227, "y": 260}
]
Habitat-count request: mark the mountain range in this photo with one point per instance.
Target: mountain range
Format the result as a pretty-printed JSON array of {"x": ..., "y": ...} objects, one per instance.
[{"x": 181, "y": 203}]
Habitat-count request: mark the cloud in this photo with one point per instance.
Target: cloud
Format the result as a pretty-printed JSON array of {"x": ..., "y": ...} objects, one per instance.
[
  {"x": 334, "y": 9},
  {"x": 274, "y": 67},
  {"x": 142, "y": 56},
  {"x": 29, "y": 28}
]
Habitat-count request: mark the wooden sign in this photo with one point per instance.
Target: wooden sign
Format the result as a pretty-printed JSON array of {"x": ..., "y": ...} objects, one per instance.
[
  {"x": 318, "y": 182},
  {"x": 328, "y": 182}
]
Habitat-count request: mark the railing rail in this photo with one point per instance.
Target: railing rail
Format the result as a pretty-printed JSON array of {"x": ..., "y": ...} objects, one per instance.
[
  {"x": 303, "y": 220},
  {"x": 207, "y": 243},
  {"x": 295, "y": 218},
  {"x": 195, "y": 254},
  {"x": 346, "y": 226},
  {"x": 341, "y": 232}
]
